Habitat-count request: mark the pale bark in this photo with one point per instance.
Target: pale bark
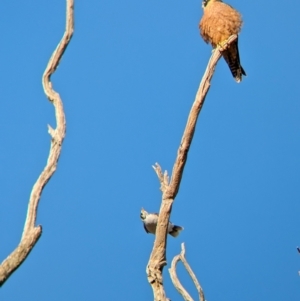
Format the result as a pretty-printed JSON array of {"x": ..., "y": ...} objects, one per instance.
[
  {"x": 170, "y": 188},
  {"x": 186, "y": 296},
  {"x": 31, "y": 232}
]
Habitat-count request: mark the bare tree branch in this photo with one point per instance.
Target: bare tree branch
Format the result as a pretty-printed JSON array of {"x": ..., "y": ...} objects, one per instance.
[
  {"x": 158, "y": 255},
  {"x": 163, "y": 178},
  {"x": 177, "y": 283},
  {"x": 32, "y": 233},
  {"x": 192, "y": 120}
]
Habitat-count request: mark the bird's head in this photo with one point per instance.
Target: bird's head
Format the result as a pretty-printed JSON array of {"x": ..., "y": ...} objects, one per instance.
[
  {"x": 143, "y": 214},
  {"x": 206, "y": 2}
]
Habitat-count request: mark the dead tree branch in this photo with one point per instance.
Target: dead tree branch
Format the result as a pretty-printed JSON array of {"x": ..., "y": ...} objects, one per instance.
[
  {"x": 32, "y": 233},
  {"x": 170, "y": 189},
  {"x": 176, "y": 281}
]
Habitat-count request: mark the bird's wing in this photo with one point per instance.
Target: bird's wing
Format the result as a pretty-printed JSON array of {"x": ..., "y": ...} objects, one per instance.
[{"x": 145, "y": 228}]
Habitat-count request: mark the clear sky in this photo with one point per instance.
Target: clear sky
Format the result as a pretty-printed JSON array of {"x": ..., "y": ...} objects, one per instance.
[{"x": 127, "y": 81}]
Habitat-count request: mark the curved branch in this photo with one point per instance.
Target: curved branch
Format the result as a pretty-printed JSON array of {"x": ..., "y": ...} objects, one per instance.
[
  {"x": 158, "y": 255},
  {"x": 32, "y": 233},
  {"x": 176, "y": 281}
]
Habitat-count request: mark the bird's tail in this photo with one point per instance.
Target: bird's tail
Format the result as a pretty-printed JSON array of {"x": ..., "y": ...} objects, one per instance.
[
  {"x": 175, "y": 230},
  {"x": 232, "y": 58}
]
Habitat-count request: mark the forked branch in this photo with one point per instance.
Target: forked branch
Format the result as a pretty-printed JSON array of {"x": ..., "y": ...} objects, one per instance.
[
  {"x": 170, "y": 189},
  {"x": 31, "y": 232},
  {"x": 176, "y": 281}
]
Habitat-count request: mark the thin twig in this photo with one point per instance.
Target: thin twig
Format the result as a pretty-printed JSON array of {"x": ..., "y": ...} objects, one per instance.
[
  {"x": 182, "y": 291},
  {"x": 158, "y": 255},
  {"x": 32, "y": 233},
  {"x": 177, "y": 283},
  {"x": 162, "y": 177}
]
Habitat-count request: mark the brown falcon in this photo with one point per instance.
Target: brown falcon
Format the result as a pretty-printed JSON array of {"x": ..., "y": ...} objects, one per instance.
[{"x": 218, "y": 23}]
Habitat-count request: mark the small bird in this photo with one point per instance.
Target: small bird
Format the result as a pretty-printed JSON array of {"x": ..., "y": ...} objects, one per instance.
[
  {"x": 219, "y": 22},
  {"x": 150, "y": 222}
]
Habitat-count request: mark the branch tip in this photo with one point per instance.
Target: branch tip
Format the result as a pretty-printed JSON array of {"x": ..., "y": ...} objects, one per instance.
[
  {"x": 182, "y": 250},
  {"x": 51, "y": 131}
]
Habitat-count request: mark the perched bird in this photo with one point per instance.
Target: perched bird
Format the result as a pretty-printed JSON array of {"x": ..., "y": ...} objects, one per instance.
[
  {"x": 150, "y": 222},
  {"x": 219, "y": 22}
]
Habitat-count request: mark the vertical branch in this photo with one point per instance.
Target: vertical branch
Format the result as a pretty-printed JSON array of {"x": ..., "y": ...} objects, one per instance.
[
  {"x": 32, "y": 233},
  {"x": 170, "y": 189}
]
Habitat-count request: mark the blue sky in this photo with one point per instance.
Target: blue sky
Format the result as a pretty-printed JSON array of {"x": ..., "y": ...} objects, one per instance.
[{"x": 127, "y": 81}]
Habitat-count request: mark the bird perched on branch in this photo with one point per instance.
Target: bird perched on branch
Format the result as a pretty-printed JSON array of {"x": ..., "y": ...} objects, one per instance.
[
  {"x": 150, "y": 223},
  {"x": 219, "y": 22}
]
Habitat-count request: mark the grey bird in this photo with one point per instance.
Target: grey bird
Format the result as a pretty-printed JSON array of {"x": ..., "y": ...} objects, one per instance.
[{"x": 150, "y": 222}]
